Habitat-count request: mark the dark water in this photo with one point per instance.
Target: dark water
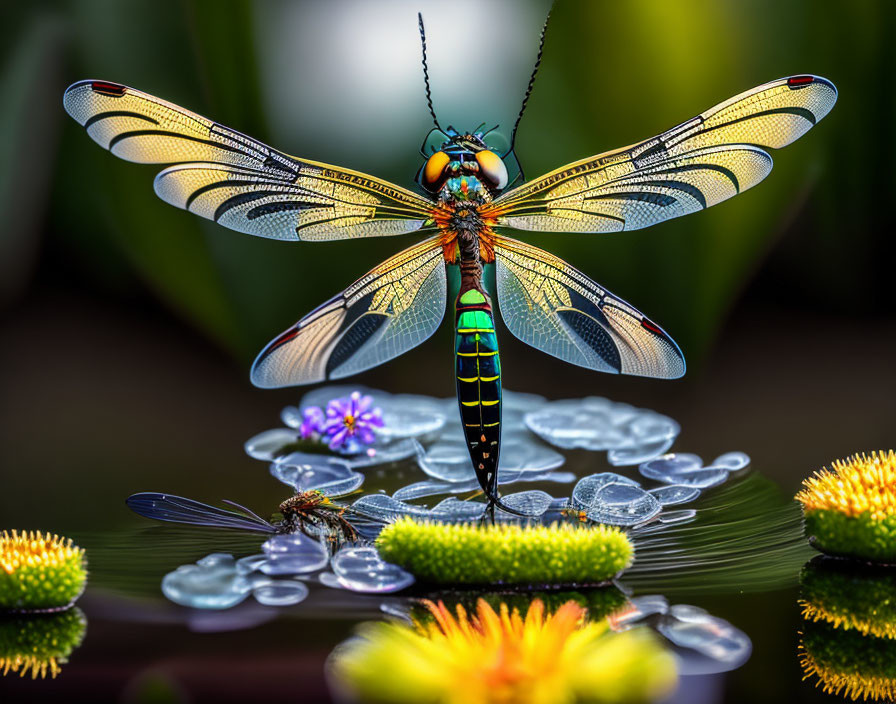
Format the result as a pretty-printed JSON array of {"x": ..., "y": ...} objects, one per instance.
[
  {"x": 739, "y": 559},
  {"x": 150, "y": 411}
]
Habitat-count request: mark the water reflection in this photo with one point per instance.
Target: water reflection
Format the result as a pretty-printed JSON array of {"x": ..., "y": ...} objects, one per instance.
[
  {"x": 644, "y": 643},
  {"x": 540, "y": 653},
  {"x": 848, "y": 631},
  {"x": 38, "y": 645},
  {"x": 742, "y": 536},
  {"x": 713, "y": 527}
]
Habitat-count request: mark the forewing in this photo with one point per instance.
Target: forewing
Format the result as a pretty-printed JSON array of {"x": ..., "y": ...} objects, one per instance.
[
  {"x": 555, "y": 308},
  {"x": 390, "y": 310},
  {"x": 235, "y": 180},
  {"x": 699, "y": 163},
  {"x": 177, "y": 509}
]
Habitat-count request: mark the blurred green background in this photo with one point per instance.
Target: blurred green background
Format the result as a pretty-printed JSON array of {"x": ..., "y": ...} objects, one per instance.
[
  {"x": 299, "y": 76},
  {"x": 128, "y": 325}
]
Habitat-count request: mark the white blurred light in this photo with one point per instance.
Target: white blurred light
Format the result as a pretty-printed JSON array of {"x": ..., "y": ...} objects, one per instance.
[{"x": 345, "y": 76}]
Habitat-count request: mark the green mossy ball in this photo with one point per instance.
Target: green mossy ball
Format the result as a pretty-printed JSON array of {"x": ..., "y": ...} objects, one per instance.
[
  {"x": 849, "y": 597},
  {"x": 860, "y": 536},
  {"x": 560, "y": 554},
  {"x": 848, "y": 663},
  {"x": 39, "y": 572},
  {"x": 39, "y": 643}
]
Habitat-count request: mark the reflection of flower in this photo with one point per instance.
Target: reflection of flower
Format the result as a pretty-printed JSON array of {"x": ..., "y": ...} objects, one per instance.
[
  {"x": 39, "y": 571},
  {"x": 849, "y": 597},
  {"x": 847, "y": 663},
  {"x": 851, "y": 509},
  {"x": 39, "y": 644},
  {"x": 496, "y": 657},
  {"x": 350, "y": 422}
]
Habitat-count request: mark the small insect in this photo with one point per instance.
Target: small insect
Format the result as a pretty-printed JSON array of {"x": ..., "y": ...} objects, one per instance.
[
  {"x": 464, "y": 205},
  {"x": 315, "y": 509},
  {"x": 310, "y": 512}
]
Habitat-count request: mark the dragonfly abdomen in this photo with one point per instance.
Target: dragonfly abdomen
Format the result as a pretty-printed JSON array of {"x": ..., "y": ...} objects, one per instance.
[{"x": 479, "y": 383}]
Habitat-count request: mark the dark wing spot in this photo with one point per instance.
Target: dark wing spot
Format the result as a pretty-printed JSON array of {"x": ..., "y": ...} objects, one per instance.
[{"x": 115, "y": 90}]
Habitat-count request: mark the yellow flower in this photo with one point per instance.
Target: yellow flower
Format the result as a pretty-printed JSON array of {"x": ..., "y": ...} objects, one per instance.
[
  {"x": 504, "y": 658},
  {"x": 859, "y": 484}
]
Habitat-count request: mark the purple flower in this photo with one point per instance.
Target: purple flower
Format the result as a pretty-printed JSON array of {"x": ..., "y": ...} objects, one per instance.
[
  {"x": 350, "y": 423},
  {"x": 312, "y": 422}
]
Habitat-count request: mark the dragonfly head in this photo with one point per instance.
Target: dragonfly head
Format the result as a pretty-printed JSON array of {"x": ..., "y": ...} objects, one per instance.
[{"x": 465, "y": 164}]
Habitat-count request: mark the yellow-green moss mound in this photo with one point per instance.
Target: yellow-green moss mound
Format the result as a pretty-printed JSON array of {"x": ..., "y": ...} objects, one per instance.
[
  {"x": 559, "y": 554},
  {"x": 39, "y": 571},
  {"x": 850, "y": 509}
]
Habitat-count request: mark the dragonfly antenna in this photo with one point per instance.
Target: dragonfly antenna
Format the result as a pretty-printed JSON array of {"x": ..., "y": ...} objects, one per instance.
[
  {"x": 426, "y": 74},
  {"x": 519, "y": 117}
]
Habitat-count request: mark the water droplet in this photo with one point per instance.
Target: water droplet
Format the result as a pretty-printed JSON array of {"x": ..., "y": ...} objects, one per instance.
[
  {"x": 671, "y": 517},
  {"x": 623, "y": 505},
  {"x": 531, "y": 503},
  {"x": 293, "y": 553},
  {"x": 305, "y": 472},
  {"x": 385, "y": 453},
  {"x": 583, "y": 494},
  {"x": 675, "y": 494},
  {"x": 363, "y": 570},
  {"x": 595, "y": 423},
  {"x": 384, "y": 508},
  {"x": 732, "y": 461},
  {"x": 638, "y": 609},
  {"x": 626, "y": 456},
  {"x": 454, "y": 510},
  {"x": 693, "y": 628},
  {"x": 267, "y": 445},
  {"x": 281, "y": 593},
  {"x": 212, "y": 583}
]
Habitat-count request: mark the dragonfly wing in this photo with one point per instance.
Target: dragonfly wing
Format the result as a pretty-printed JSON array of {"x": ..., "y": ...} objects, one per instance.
[
  {"x": 383, "y": 314},
  {"x": 177, "y": 509},
  {"x": 236, "y": 180},
  {"x": 699, "y": 163},
  {"x": 555, "y": 308}
]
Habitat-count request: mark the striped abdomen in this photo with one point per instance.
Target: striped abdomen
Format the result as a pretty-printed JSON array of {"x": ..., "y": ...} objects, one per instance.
[{"x": 479, "y": 383}]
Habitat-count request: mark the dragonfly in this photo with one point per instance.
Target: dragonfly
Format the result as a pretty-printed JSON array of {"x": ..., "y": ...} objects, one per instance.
[
  {"x": 311, "y": 512},
  {"x": 470, "y": 192}
]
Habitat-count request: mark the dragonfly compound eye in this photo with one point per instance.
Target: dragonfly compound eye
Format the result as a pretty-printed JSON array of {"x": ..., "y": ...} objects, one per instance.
[
  {"x": 492, "y": 169},
  {"x": 434, "y": 169}
]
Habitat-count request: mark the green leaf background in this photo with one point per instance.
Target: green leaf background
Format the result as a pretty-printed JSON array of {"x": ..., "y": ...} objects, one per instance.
[{"x": 613, "y": 73}]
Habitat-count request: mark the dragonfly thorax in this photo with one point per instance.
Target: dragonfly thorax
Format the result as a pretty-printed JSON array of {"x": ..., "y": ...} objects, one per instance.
[{"x": 463, "y": 190}]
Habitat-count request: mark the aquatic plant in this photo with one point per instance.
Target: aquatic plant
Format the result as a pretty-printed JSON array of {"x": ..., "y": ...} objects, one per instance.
[
  {"x": 502, "y": 656},
  {"x": 39, "y": 571},
  {"x": 39, "y": 643},
  {"x": 461, "y": 553},
  {"x": 850, "y": 599},
  {"x": 847, "y": 663},
  {"x": 850, "y": 510}
]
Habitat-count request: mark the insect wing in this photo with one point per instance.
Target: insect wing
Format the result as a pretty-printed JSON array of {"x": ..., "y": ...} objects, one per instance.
[
  {"x": 385, "y": 313},
  {"x": 237, "y": 181},
  {"x": 699, "y": 163},
  {"x": 555, "y": 308},
  {"x": 176, "y": 509}
]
